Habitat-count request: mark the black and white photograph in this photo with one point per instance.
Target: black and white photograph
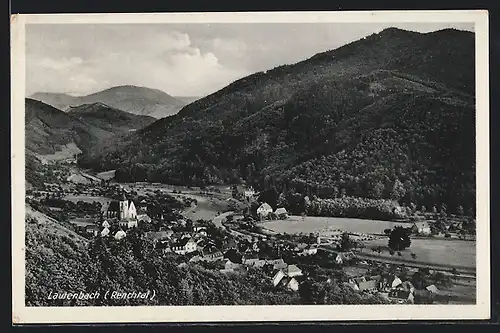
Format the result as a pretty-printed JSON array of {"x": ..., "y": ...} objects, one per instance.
[{"x": 293, "y": 166}]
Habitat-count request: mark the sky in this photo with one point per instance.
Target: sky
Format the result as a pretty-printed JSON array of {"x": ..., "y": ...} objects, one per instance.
[{"x": 192, "y": 59}]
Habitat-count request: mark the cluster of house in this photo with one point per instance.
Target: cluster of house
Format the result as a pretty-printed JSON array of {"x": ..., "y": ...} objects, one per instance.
[
  {"x": 289, "y": 276},
  {"x": 396, "y": 290},
  {"x": 122, "y": 214},
  {"x": 265, "y": 211},
  {"x": 181, "y": 243}
]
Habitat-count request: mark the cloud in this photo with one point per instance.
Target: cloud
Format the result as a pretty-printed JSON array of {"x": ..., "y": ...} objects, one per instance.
[{"x": 180, "y": 59}]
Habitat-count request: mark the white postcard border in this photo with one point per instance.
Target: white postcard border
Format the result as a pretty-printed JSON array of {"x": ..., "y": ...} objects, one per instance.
[{"x": 23, "y": 314}]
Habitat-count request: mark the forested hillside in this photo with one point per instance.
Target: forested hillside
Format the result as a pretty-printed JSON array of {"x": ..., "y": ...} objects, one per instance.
[
  {"x": 389, "y": 116},
  {"x": 110, "y": 119}
]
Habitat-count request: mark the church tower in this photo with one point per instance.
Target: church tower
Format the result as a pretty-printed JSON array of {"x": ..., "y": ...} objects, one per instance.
[{"x": 123, "y": 207}]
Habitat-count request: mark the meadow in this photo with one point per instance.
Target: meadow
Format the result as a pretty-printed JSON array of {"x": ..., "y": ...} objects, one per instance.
[
  {"x": 458, "y": 253},
  {"x": 295, "y": 225},
  {"x": 87, "y": 198}
]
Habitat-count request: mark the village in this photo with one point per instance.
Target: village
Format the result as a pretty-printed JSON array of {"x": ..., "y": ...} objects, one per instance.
[{"x": 217, "y": 228}]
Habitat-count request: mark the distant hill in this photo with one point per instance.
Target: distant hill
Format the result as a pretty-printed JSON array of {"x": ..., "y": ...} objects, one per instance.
[
  {"x": 132, "y": 99},
  {"x": 110, "y": 119},
  {"x": 48, "y": 129},
  {"x": 392, "y": 114},
  {"x": 187, "y": 99}
]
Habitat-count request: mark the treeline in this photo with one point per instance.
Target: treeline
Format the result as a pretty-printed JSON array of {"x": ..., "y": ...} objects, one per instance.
[
  {"x": 381, "y": 209},
  {"x": 55, "y": 263}
]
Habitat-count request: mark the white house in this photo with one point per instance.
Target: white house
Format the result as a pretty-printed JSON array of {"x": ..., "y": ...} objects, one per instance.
[
  {"x": 281, "y": 213},
  {"x": 105, "y": 232},
  {"x": 343, "y": 257},
  {"x": 120, "y": 234},
  {"x": 278, "y": 277},
  {"x": 293, "y": 284},
  {"x": 128, "y": 223},
  {"x": 264, "y": 210},
  {"x": 293, "y": 270},
  {"x": 105, "y": 224},
  {"x": 422, "y": 228},
  {"x": 249, "y": 193},
  {"x": 185, "y": 245},
  {"x": 396, "y": 282}
]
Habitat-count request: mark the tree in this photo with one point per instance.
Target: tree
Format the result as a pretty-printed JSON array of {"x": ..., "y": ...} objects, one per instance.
[
  {"x": 282, "y": 202},
  {"x": 377, "y": 190},
  {"x": 460, "y": 211},
  {"x": 399, "y": 239},
  {"x": 346, "y": 243},
  {"x": 387, "y": 232},
  {"x": 234, "y": 191},
  {"x": 398, "y": 190}
]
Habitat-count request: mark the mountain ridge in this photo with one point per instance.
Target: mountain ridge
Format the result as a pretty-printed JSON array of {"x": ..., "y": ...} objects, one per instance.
[
  {"x": 311, "y": 116},
  {"x": 129, "y": 98}
]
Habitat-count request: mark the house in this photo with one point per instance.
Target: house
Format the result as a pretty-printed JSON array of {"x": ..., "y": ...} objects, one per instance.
[
  {"x": 351, "y": 285},
  {"x": 213, "y": 256},
  {"x": 278, "y": 277},
  {"x": 196, "y": 259},
  {"x": 142, "y": 215},
  {"x": 278, "y": 264},
  {"x": 401, "y": 296},
  {"x": 370, "y": 285},
  {"x": 396, "y": 282},
  {"x": 105, "y": 224},
  {"x": 120, "y": 234},
  {"x": 293, "y": 270},
  {"x": 199, "y": 228},
  {"x": 264, "y": 210},
  {"x": 293, "y": 284},
  {"x": 432, "y": 288},
  {"x": 259, "y": 263},
  {"x": 159, "y": 236},
  {"x": 231, "y": 265},
  {"x": 128, "y": 223},
  {"x": 406, "y": 285},
  {"x": 281, "y": 213},
  {"x": 92, "y": 229},
  {"x": 249, "y": 193},
  {"x": 183, "y": 246},
  {"x": 309, "y": 252},
  {"x": 344, "y": 257},
  {"x": 422, "y": 228},
  {"x": 104, "y": 232}
]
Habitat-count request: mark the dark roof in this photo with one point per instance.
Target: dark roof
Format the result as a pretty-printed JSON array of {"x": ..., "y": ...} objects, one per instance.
[
  {"x": 141, "y": 210},
  {"x": 93, "y": 227},
  {"x": 114, "y": 206},
  {"x": 182, "y": 242},
  {"x": 401, "y": 294}
]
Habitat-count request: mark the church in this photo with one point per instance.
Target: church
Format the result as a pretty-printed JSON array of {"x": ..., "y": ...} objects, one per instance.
[{"x": 124, "y": 210}]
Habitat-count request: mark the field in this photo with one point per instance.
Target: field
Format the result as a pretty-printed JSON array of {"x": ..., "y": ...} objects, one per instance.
[
  {"x": 435, "y": 251},
  {"x": 106, "y": 175},
  {"x": 295, "y": 224},
  {"x": 82, "y": 222},
  {"x": 87, "y": 198},
  {"x": 66, "y": 152}
]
